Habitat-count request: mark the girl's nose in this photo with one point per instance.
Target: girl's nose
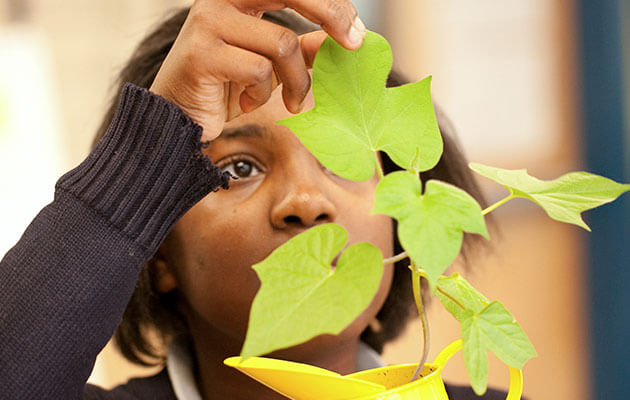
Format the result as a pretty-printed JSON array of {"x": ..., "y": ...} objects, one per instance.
[{"x": 303, "y": 204}]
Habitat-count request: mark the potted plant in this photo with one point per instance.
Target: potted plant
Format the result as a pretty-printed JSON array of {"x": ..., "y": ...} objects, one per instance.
[{"x": 354, "y": 118}]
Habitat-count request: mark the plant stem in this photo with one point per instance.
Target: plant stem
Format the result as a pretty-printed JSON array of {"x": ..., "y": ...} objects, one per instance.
[
  {"x": 396, "y": 258},
  {"x": 497, "y": 204},
  {"x": 415, "y": 278},
  {"x": 379, "y": 168}
]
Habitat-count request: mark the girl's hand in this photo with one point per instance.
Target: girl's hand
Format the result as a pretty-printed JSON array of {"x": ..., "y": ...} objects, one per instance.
[{"x": 226, "y": 60}]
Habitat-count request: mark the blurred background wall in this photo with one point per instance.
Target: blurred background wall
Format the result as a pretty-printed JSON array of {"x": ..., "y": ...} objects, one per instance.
[
  {"x": 509, "y": 74},
  {"x": 506, "y": 73}
]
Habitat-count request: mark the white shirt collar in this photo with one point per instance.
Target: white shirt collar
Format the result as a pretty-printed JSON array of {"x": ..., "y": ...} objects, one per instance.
[{"x": 179, "y": 365}]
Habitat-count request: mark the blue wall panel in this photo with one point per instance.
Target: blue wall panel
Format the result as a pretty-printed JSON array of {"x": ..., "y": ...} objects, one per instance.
[{"x": 605, "y": 133}]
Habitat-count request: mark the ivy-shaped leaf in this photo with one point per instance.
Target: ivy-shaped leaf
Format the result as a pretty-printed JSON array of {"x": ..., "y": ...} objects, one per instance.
[
  {"x": 485, "y": 326},
  {"x": 302, "y": 296},
  {"x": 494, "y": 329},
  {"x": 355, "y": 115},
  {"x": 431, "y": 225},
  {"x": 564, "y": 198},
  {"x": 458, "y": 296}
]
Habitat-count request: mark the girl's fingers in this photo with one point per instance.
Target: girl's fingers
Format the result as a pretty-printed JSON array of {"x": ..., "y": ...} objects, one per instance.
[
  {"x": 337, "y": 17},
  {"x": 253, "y": 72},
  {"x": 225, "y": 56},
  {"x": 254, "y": 95},
  {"x": 244, "y": 97},
  {"x": 310, "y": 43},
  {"x": 281, "y": 46}
]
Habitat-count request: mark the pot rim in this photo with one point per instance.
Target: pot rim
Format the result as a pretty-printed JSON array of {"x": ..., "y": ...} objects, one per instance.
[{"x": 434, "y": 374}]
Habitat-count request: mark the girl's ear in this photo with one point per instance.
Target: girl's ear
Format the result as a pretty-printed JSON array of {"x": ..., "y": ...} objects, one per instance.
[{"x": 163, "y": 277}]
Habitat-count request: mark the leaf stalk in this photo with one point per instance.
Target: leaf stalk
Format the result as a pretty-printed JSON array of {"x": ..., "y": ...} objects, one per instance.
[
  {"x": 415, "y": 278},
  {"x": 379, "y": 167},
  {"x": 497, "y": 204},
  {"x": 396, "y": 258}
]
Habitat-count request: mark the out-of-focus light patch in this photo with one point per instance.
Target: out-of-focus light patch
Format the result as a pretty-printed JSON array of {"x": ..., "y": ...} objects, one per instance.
[
  {"x": 3, "y": 115},
  {"x": 371, "y": 13},
  {"x": 30, "y": 151}
]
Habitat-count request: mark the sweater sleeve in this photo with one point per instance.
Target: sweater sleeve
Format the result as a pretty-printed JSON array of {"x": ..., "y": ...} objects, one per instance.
[{"x": 65, "y": 284}]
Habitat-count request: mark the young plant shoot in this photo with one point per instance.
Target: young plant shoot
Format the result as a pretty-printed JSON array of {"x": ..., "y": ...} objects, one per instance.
[{"x": 355, "y": 116}]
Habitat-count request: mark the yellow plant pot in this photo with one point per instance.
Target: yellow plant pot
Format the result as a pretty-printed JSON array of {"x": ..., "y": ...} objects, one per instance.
[{"x": 303, "y": 382}]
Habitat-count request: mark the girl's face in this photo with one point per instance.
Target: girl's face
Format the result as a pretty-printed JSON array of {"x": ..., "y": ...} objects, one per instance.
[{"x": 282, "y": 190}]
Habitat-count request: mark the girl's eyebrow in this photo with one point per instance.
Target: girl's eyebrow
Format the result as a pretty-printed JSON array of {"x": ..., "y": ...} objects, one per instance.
[{"x": 249, "y": 130}]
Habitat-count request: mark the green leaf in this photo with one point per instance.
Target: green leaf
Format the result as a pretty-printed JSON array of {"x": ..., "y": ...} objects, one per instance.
[
  {"x": 494, "y": 329},
  {"x": 564, "y": 198},
  {"x": 398, "y": 194},
  {"x": 301, "y": 296},
  {"x": 458, "y": 296},
  {"x": 355, "y": 115},
  {"x": 430, "y": 225},
  {"x": 475, "y": 353},
  {"x": 485, "y": 326}
]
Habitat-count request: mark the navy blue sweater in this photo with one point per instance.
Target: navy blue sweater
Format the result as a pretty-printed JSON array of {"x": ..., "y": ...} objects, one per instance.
[{"x": 65, "y": 284}]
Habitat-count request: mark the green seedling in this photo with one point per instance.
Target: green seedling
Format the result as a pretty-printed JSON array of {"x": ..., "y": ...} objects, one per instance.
[{"x": 355, "y": 116}]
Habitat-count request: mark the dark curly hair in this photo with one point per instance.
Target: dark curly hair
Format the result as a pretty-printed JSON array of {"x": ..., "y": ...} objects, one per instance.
[{"x": 151, "y": 314}]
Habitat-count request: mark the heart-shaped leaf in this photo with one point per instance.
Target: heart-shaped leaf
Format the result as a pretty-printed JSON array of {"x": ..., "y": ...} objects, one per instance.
[
  {"x": 564, "y": 198},
  {"x": 355, "y": 115},
  {"x": 302, "y": 296},
  {"x": 431, "y": 225},
  {"x": 494, "y": 329}
]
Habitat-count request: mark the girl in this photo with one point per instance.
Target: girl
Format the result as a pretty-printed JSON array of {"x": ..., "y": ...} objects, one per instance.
[{"x": 145, "y": 229}]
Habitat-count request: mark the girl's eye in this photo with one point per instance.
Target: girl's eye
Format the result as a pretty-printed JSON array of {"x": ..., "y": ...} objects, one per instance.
[{"x": 241, "y": 168}]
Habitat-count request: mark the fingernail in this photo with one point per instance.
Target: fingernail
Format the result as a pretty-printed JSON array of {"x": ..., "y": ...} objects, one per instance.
[
  {"x": 355, "y": 37},
  {"x": 359, "y": 25}
]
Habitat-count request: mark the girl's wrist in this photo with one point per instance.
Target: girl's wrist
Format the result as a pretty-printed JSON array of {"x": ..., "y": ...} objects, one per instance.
[{"x": 147, "y": 170}]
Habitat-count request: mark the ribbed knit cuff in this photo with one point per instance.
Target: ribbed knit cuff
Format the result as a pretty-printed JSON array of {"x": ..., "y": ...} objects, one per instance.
[{"x": 146, "y": 171}]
